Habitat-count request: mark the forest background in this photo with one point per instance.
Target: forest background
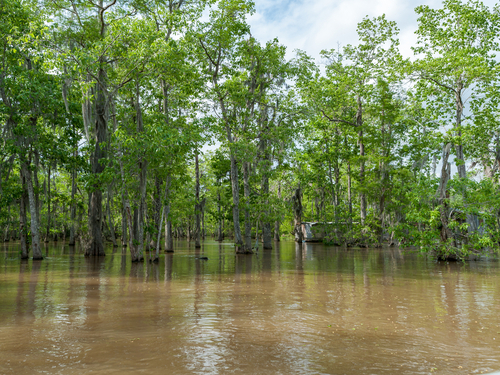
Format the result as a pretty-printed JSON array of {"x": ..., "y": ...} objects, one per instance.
[{"x": 140, "y": 121}]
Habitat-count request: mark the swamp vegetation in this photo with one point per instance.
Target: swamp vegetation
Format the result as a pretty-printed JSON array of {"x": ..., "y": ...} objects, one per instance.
[{"x": 141, "y": 122}]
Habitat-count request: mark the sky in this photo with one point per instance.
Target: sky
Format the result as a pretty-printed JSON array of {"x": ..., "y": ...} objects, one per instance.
[{"x": 324, "y": 24}]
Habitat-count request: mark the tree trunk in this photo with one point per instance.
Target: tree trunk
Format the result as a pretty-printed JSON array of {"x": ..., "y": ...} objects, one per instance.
[
  {"x": 35, "y": 235},
  {"x": 219, "y": 216},
  {"x": 277, "y": 222},
  {"x": 349, "y": 193},
  {"x": 236, "y": 204},
  {"x": 128, "y": 217},
  {"x": 124, "y": 222},
  {"x": 110, "y": 218},
  {"x": 362, "y": 195},
  {"x": 96, "y": 244},
  {"x": 297, "y": 211},
  {"x": 197, "y": 207},
  {"x": 23, "y": 219},
  {"x": 442, "y": 194},
  {"x": 47, "y": 231},
  {"x": 142, "y": 178},
  {"x": 266, "y": 226},
  {"x": 72, "y": 233},
  {"x": 248, "y": 224},
  {"x": 158, "y": 207}
]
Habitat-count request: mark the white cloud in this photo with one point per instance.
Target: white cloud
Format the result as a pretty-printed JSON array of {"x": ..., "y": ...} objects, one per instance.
[{"x": 321, "y": 24}]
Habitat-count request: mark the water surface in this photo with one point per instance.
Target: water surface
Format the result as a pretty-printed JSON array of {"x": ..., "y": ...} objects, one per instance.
[{"x": 298, "y": 309}]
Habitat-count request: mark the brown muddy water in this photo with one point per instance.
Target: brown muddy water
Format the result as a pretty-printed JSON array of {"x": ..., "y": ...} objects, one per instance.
[{"x": 298, "y": 309}]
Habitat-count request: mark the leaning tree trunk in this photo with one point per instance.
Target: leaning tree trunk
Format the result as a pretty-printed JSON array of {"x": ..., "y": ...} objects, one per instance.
[{"x": 35, "y": 227}]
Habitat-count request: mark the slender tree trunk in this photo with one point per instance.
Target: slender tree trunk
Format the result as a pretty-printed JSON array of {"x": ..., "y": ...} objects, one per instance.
[
  {"x": 110, "y": 217},
  {"x": 160, "y": 224},
  {"x": 6, "y": 234},
  {"x": 47, "y": 231},
  {"x": 23, "y": 219},
  {"x": 128, "y": 217},
  {"x": 277, "y": 222},
  {"x": 248, "y": 224},
  {"x": 297, "y": 210},
  {"x": 124, "y": 222},
  {"x": 96, "y": 245},
  {"x": 362, "y": 195},
  {"x": 35, "y": 179},
  {"x": 169, "y": 238},
  {"x": 266, "y": 226},
  {"x": 442, "y": 194},
  {"x": 219, "y": 231},
  {"x": 158, "y": 207},
  {"x": 197, "y": 207},
  {"x": 142, "y": 178},
  {"x": 236, "y": 204},
  {"x": 72, "y": 233},
  {"x": 35, "y": 235},
  {"x": 349, "y": 193}
]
